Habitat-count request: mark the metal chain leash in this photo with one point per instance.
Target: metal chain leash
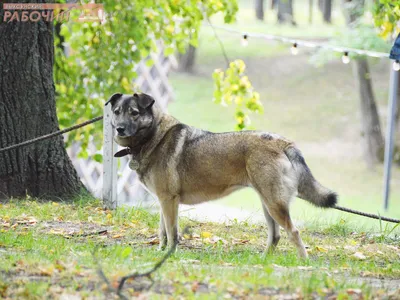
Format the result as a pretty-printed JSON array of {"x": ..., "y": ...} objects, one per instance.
[{"x": 60, "y": 132}]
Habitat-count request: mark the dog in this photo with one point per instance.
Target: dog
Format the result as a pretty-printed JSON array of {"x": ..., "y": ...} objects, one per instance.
[{"x": 182, "y": 164}]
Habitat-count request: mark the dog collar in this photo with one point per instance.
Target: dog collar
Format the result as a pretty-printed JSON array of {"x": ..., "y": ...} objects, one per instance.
[
  {"x": 134, "y": 163},
  {"x": 123, "y": 152}
]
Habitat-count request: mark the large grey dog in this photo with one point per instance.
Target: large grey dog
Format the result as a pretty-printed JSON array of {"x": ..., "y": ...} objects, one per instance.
[{"x": 183, "y": 164}]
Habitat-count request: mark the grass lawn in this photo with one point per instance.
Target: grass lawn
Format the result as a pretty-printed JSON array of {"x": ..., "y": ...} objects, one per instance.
[{"x": 46, "y": 251}]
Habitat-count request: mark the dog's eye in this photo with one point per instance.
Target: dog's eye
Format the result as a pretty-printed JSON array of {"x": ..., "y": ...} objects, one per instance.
[
  {"x": 134, "y": 112},
  {"x": 116, "y": 112}
]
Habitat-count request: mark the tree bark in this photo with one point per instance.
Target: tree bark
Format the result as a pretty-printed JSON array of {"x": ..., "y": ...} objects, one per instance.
[
  {"x": 373, "y": 142},
  {"x": 259, "y": 9},
  {"x": 285, "y": 12},
  {"x": 187, "y": 60},
  {"x": 371, "y": 132},
  {"x": 28, "y": 110},
  {"x": 327, "y": 11}
]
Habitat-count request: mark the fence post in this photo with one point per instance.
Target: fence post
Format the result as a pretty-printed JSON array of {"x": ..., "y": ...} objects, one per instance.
[{"x": 109, "y": 163}]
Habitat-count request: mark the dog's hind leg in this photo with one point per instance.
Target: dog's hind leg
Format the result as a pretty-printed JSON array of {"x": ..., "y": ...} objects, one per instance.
[
  {"x": 280, "y": 213},
  {"x": 273, "y": 230},
  {"x": 276, "y": 184}
]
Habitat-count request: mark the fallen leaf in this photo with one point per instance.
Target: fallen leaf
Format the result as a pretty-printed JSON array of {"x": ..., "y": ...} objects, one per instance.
[
  {"x": 321, "y": 249},
  {"x": 46, "y": 271},
  {"x": 117, "y": 236},
  {"x": 359, "y": 256},
  {"x": 195, "y": 286},
  {"x": 153, "y": 241},
  {"x": 205, "y": 234},
  {"x": 240, "y": 242},
  {"x": 354, "y": 291}
]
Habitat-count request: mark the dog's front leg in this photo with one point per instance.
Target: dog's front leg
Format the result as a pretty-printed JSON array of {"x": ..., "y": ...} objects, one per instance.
[
  {"x": 169, "y": 209},
  {"x": 162, "y": 233}
]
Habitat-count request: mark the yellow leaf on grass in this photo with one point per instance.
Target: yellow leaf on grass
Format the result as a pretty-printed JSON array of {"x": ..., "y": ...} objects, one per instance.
[
  {"x": 205, "y": 234},
  {"x": 321, "y": 249},
  {"x": 117, "y": 236},
  {"x": 55, "y": 204},
  {"x": 109, "y": 216}
]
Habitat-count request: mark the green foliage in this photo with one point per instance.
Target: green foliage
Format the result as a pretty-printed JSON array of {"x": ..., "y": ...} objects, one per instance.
[
  {"x": 386, "y": 16},
  {"x": 234, "y": 87},
  {"x": 103, "y": 57}
]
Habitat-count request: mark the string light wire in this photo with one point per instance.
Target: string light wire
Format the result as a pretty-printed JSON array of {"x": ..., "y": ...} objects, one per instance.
[{"x": 304, "y": 43}]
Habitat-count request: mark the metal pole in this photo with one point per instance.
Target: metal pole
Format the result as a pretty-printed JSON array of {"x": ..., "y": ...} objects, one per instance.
[{"x": 394, "y": 76}]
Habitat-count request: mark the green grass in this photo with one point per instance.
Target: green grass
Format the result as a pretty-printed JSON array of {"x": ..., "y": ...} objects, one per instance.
[{"x": 37, "y": 261}]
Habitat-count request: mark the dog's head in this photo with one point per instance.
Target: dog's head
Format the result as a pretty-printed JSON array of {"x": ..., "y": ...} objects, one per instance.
[{"x": 132, "y": 116}]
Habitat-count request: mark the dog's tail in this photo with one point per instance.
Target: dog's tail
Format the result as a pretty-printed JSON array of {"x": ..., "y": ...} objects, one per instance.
[{"x": 308, "y": 187}]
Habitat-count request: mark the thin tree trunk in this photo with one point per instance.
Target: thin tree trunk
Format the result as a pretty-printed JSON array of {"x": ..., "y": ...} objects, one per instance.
[
  {"x": 310, "y": 11},
  {"x": 373, "y": 142},
  {"x": 285, "y": 12},
  {"x": 370, "y": 125},
  {"x": 327, "y": 11},
  {"x": 28, "y": 110},
  {"x": 187, "y": 60},
  {"x": 259, "y": 9}
]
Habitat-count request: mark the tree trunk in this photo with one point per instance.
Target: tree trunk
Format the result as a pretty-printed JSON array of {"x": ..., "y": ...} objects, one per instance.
[
  {"x": 187, "y": 60},
  {"x": 371, "y": 132},
  {"x": 373, "y": 142},
  {"x": 259, "y": 7},
  {"x": 327, "y": 11},
  {"x": 28, "y": 110},
  {"x": 285, "y": 12}
]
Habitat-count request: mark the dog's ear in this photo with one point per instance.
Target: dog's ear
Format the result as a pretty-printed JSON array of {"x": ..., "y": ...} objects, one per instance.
[
  {"x": 113, "y": 99},
  {"x": 144, "y": 101}
]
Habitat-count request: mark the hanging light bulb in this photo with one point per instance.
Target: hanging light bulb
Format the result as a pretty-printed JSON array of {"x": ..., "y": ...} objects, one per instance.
[
  {"x": 294, "y": 49},
  {"x": 396, "y": 65},
  {"x": 345, "y": 57},
  {"x": 245, "y": 40}
]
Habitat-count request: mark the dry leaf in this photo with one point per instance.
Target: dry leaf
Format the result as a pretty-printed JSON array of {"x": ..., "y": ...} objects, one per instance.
[
  {"x": 240, "y": 242},
  {"x": 195, "y": 286},
  {"x": 354, "y": 291},
  {"x": 117, "y": 236},
  {"x": 153, "y": 241},
  {"x": 46, "y": 271}
]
